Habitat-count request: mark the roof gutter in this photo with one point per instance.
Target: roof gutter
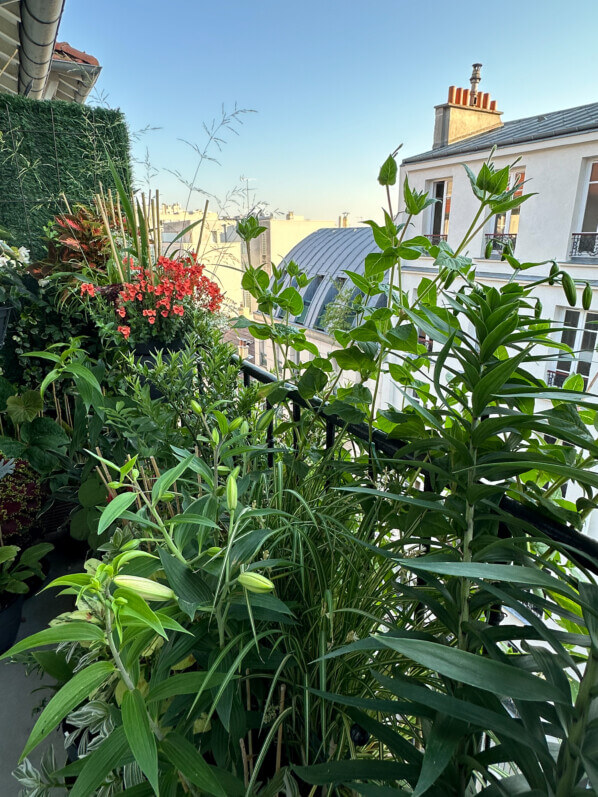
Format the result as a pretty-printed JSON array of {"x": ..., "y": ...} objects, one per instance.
[
  {"x": 38, "y": 31},
  {"x": 86, "y": 74}
]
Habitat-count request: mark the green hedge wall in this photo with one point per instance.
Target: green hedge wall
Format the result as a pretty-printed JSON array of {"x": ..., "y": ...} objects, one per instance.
[{"x": 48, "y": 148}]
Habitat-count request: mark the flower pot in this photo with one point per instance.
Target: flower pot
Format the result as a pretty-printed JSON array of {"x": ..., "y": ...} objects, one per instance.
[
  {"x": 10, "y": 620},
  {"x": 5, "y": 312},
  {"x": 144, "y": 355}
]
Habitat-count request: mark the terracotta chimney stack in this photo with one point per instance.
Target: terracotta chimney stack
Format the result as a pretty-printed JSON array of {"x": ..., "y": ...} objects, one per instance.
[{"x": 467, "y": 113}]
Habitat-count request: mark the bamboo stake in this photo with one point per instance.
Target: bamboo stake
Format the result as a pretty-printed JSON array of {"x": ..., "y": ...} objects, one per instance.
[
  {"x": 111, "y": 239},
  {"x": 56, "y": 404},
  {"x": 159, "y": 226},
  {"x": 249, "y": 733},
  {"x": 203, "y": 222},
  {"x": 111, "y": 492},
  {"x": 112, "y": 209},
  {"x": 244, "y": 757},
  {"x": 283, "y": 689}
]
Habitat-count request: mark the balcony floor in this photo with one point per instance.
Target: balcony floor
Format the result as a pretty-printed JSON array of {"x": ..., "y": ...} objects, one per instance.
[{"x": 18, "y": 702}]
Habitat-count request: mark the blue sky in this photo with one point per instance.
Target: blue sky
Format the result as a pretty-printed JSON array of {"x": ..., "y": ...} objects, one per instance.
[{"x": 335, "y": 85}]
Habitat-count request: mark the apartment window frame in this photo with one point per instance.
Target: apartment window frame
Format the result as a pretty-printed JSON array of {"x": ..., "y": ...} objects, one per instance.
[
  {"x": 582, "y": 339},
  {"x": 439, "y": 213},
  {"x": 506, "y": 225},
  {"x": 590, "y": 179}
]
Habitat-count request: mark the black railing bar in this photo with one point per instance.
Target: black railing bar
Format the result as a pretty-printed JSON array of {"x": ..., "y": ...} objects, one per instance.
[
  {"x": 360, "y": 431},
  {"x": 559, "y": 532}
]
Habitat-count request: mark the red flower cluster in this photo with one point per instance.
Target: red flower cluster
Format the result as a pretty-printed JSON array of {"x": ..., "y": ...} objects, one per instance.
[{"x": 165, "y": 291}]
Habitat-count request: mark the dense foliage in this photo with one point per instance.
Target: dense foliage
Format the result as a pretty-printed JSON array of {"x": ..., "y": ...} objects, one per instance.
[
  {"x": 50, "y": 151},
  {"x": 274, "y": 609}
]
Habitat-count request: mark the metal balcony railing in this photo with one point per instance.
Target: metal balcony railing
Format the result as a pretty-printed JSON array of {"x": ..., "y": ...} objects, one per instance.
[
  {"x": 583, "y": 549},
  {"x": 556, "y": 378},
  {"x": 584, "y": 244},
  {"x": 436, "y": 238},
  {"x": 498, "y": 243}
]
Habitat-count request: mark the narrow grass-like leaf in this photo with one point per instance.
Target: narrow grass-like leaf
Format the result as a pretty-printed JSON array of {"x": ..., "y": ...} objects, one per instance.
[
  {"x": 184, "y": 756},
  {"x": 478, "y": 671},
  {"x": 72, "y": 693},
  {"x": 140, "y": 736},
  {"x": 68, "y": 632},
  {"x": 112, "y": 752}
]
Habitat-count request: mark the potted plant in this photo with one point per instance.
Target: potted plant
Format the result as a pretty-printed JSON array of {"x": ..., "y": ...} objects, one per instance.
[
  {"x": 20, "y": 500},
  {"x": 13, "y": 261}
]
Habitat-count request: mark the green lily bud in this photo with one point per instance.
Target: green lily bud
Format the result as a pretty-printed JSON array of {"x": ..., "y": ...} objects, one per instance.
[
  {"x": 145, "y": 588},
  {"x": 254, "y": 582},
  {"x": 231, "y": 491},
  {"x": 235, "y": 424},
  {"x": 586, "y": 298},
  {"x": 196, "y": 407},
  {"x": 570, "y": 289},
  {"x": 213, "y": 551},
  {"x": 215, "y": 435}
]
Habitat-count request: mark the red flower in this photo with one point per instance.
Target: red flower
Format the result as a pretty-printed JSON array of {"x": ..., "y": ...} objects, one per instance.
[
  {"x": 125, "y": 331},
  {"x": 87, "y": 287}
]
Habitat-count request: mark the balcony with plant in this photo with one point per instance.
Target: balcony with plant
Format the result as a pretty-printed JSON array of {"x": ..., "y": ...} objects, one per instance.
[{"x": 292, "y": 592}]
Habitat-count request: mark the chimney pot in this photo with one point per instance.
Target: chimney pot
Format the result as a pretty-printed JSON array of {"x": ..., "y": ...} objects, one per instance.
[
  {"x": 485, "y": 100},
  {"x": 493, "y": 105},
  {"x": 465, "y": 97},
  {"x": 458, "y": 96},
  {"x": 451, "y": 94}
]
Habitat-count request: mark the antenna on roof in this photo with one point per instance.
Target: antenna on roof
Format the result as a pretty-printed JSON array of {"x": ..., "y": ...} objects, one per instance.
[{"x": 475, "y": 81}]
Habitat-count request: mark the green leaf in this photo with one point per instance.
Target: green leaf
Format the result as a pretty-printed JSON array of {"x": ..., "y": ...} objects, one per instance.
[
  {"x": 343, "y": 771},
  {"x": 25, "y": 407},
  {"x": 139, "y": 735},
  {"x": 444, "y": 738},
  {"x": 115, "y": 509},
  {"x": 167, "y": 479},
  {"x": 185, "y": 683},
  {"x": 111, "y": 753},
  {"x": 68, "y": 632},
  {"x": 140, "y": 609},
  {"x": 8, "y": 553},
  {"x": 190, "y": 587},
  {"x": 183, "y": 755},
  {"x": 388, "y": 172},
  {"x": 44, "y": 432},
  {"x": 478, "y": 671},
  {"x": 72, "y": 693}
]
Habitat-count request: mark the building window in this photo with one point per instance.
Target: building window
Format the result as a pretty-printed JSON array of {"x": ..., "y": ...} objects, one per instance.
[
  {"x": 505, "y": 226},
  {"x": 214, "y": 236},
  {"x": 331, "y": 294},
  {"x": 439, "y": 218},
  {"x": 585, "y": 242},
  {"x": 308, "y": 296},
  {"x": 264, "y": 247},
  {"x": 579, "y": 333}
]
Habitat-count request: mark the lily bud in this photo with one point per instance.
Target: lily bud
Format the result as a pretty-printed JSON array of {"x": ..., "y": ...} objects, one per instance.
[
  {"x": 196, "y": 407},
  {"x": 231, "y": 491},
  {"x": 213, "y": 551},
  {"x": 145, "y": 587},
  {"x": 254, "y": 582}
]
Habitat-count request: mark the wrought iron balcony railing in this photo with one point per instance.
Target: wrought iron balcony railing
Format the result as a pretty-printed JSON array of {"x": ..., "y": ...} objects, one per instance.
[
  {"x": 436, "y": 238},
  {"x": 584, "y": 244},
  {"x": 499, "y": 240},
  {"x": 556, "y": 378}
]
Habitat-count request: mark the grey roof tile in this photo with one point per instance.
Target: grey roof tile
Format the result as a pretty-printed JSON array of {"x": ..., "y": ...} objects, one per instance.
[{"x": 519, "y": 131}]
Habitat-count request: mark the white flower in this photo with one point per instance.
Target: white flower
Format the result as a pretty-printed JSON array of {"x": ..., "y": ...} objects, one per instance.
[
  {"x": 4, "y": 261},
  {"x": 23, "y": 256}
]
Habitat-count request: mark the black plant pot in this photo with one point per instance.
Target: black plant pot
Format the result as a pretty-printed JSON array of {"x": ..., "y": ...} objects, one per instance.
[
  {"x": 144, "y": 354},
  {"x": 10, "y": 620}
]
